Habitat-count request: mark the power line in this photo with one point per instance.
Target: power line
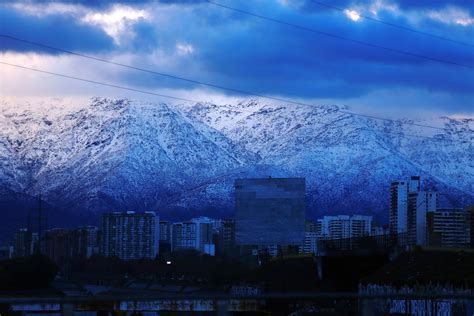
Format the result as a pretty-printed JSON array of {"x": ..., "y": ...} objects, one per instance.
[
  {"x": 201, "y": 82},
  {"x": 339, "y": 37},
  {"x": 330, "y": 6},
  {"x": 177, "y": 98},
  {"x": 99, "y": 83}
]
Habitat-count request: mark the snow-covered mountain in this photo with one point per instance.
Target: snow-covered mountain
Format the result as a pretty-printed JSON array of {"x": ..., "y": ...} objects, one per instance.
[{"x": 90, "y": 156}]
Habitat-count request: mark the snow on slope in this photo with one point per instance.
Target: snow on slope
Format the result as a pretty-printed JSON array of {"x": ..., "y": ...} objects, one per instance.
[
  {"x": 112, "y": 153},
  {"x": 348, "y": 160},
  {"x": 101, "y": 154}
]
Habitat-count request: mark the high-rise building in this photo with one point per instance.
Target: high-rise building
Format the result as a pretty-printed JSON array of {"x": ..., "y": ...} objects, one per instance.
[
  {"x": 194, "y": 234},
  {"x": 311, "y": 237},
  {"x": 399, "y": 203},
  {"x": 449, "y": 228},
  {"x": 85, "y": 241},
  {"x": 470, "y": 210},
  {"x": 61, "y": 244},
  {"x": 226, "y": 239},
  {"x": 130, "y": 235},
  {"x": 345, "y": 226},
  {"x": 419, "y": 204},
  {"x": 24, "y": 243},
  {"x": 165, "y": 236},
  {"x": 270, "y": 211}
]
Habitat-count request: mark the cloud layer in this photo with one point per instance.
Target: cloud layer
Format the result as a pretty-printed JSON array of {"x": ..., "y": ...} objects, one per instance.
[{"x": 209, "y": 43}]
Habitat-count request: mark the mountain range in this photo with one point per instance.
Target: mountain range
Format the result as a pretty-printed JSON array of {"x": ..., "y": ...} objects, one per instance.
[{"x": 88, "y": 156}]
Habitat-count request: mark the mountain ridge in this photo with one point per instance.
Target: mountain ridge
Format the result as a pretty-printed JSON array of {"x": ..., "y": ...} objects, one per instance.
[{"x": 180, "y": 159}]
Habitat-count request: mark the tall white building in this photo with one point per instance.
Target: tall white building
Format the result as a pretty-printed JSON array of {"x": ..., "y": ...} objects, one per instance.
[
  {"x": 399, "y": 203},
  {"x": 194, "y": 234},
  {"x": 419, "y": 204},
  {"x": 130, "y": 235},
  {"x": 345, "y": 226}
]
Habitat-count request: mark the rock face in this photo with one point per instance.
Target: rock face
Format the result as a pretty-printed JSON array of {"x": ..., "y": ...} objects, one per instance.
[{"x": 96, "y": 155}]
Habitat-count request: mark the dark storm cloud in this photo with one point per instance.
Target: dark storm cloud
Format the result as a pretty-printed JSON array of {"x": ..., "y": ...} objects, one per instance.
[
  {"x": 255, "y": 55},
  {"x": 247, "y": 53}
]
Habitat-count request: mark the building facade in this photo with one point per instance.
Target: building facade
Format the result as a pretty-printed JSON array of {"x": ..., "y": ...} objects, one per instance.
[
  {"x": 130, "y": 235},
  {"x": 166, "y": 229},
  {"x": 399, "y": 192},
  {"x": 419, "y": 204},
  {"x": 449, "y": 228},
  {"x": 24, "y": 243},
  {"x": 196, "y": 233},
  {"x": 311, "y": 237},
  {"x": 85, "y": 241},
  {"x": 226, "y": 239},
  {"x": 270, "y": 211},
  {"x": 345, "y": 226},
  {"x": 57, "y": 244}
]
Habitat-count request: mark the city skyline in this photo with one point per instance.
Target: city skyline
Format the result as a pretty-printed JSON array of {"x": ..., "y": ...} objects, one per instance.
[
  {"x": 262, "y": 206},
  {"x": 231, "y": 157}
]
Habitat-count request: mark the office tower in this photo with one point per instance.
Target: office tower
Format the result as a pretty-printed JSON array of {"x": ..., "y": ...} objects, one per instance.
[
  {"x": 85, "y": 241},
  {"x": 311, "y": 237},
  {"x": 399, "y": 203},
  {"x": 194, "y": 234},
  {"x": 419, "y": 204},
  {"x": 470, "y": 210},
  {"x": 319, "y": 226},
  {"x": 345, "y": 226},
  {"x": 165, "y": 236},
  {"x": 24, "y": 243},
  {"x": 226, "y": 238},
  {"x": 130, "y": 235},
  {"x": 449, "y": 228},
  {"x": 270, "y": 211}
]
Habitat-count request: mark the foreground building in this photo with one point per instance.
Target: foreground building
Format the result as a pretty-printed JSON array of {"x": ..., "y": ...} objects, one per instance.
[
  {"x": 414, "y": 276},
  {"x": 130, "y": 235},
  {"x": 270, "y": 211}
]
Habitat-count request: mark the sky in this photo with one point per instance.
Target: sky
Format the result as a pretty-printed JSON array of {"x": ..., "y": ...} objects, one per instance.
[{"x": 206, "y": 42}]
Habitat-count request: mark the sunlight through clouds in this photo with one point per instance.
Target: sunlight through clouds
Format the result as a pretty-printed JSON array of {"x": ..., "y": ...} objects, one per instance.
[
  {"x": 352, "y": 14},
  {"x": 115, "y": 22}
]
